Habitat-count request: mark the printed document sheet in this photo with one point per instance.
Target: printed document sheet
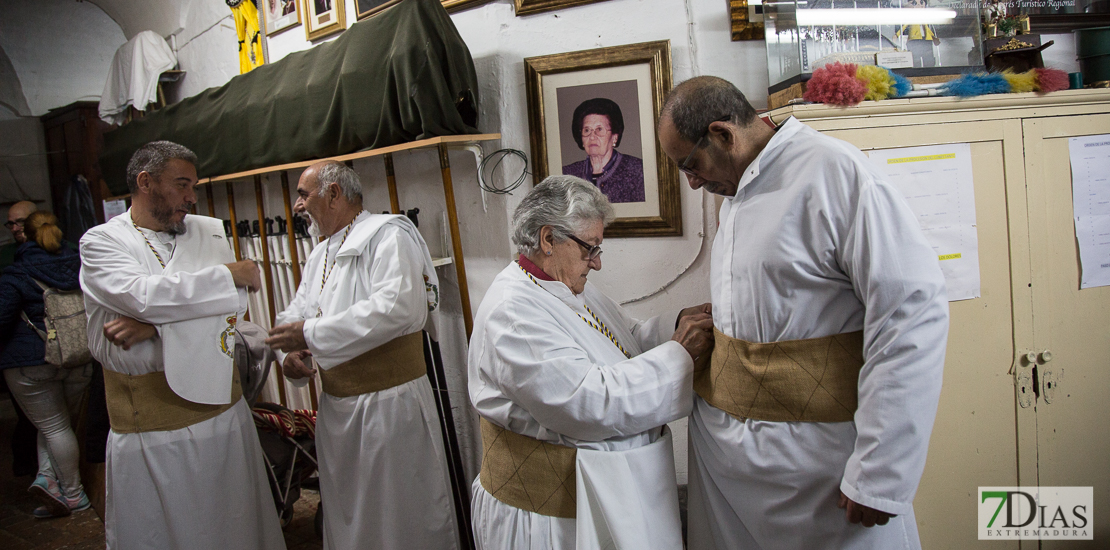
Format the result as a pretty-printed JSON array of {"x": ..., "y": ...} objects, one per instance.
[
  {"x": 938, "y": 186},
  {"x": 1090, "y": 192}
]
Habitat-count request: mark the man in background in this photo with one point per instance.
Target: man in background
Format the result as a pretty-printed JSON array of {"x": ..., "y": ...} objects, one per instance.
[{"x": 17, "y": 214}]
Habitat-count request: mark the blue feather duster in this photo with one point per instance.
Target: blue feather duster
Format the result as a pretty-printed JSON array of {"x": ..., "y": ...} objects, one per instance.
[
  {"x": 902, "y": 85},
  {"x": 970, "y": 85}
]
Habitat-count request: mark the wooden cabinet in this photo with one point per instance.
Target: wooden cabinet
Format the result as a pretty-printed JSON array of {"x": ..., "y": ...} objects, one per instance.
[
  {"x": 74, "y": 139},
  {"x": 1003, "y": 420}
]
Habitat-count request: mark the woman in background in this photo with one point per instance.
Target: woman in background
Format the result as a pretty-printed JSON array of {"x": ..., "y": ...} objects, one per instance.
[{"x": 45, "y": 392}]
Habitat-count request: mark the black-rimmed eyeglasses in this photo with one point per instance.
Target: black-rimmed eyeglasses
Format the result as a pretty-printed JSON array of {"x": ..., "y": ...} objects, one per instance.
[
  {"x": 12, "y": 223},
  {"x": 593, "y": 251},
  {"x": 685, "y": 166}
]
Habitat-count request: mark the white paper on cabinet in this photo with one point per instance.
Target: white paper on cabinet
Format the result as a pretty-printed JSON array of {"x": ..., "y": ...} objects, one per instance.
[
  {"x": 1090, "y": 192},
  {"x": 938, "y": 185}
]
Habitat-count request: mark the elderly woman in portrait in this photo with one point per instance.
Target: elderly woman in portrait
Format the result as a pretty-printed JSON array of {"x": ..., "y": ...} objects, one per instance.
[
  {"x": 567, "y": 382},
  {"x": 598, "y": 126}
]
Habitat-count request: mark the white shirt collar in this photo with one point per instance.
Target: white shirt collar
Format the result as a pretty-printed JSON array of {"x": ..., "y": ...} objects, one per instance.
[{"x": 784, "y": 132}]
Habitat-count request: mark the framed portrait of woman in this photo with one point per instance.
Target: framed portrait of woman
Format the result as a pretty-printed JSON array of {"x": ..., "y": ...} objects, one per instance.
[
  {"x": 323, "y": 18},
  {"x": 592, "y": 114}
]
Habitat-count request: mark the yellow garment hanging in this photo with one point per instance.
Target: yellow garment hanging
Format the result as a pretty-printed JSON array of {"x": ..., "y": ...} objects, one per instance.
[
  {"x": 250, "y": 38},
  {"x": 918, "y": 32}
]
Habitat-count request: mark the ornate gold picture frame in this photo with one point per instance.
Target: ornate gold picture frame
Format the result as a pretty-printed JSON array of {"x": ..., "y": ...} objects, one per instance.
[
  {"x": 593, "y": 114},
  {"x": 324, "y": 18},
  {"x": 528, "y": 7},
  {"x": 280, "y": 14}
]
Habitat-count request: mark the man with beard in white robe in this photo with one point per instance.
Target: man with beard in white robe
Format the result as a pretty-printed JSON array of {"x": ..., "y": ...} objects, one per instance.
[
  {"x": 562, "y": 375},
  {"x": 366, "y": 294},
  {"x": 163, "y": 293},
  {"x": 813, "y": 247}
]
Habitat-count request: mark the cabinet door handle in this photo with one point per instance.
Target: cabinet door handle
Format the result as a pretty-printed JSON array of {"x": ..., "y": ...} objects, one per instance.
[{"x": 1023, "y": 379}]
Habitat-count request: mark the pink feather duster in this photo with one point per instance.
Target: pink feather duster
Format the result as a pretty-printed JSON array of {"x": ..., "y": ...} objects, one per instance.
[
  {"x": 1051, "y": 80},
  {"x": 836, "y": 84}
]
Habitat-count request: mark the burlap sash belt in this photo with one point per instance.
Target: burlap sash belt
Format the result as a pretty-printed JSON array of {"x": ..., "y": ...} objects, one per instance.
[
  {"x": 813, "y": 380},
  {"x": 391, "y": 364},
  {"x": 145, "y": 403},
  {"x": 527, "y": 473}
]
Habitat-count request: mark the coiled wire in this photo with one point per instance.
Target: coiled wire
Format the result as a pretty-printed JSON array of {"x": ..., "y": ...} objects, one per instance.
[{"x": 500, "y": 155}]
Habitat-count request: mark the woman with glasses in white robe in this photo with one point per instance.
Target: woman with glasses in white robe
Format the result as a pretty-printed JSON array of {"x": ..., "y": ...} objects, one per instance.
[{"x": 559, "y": 371}]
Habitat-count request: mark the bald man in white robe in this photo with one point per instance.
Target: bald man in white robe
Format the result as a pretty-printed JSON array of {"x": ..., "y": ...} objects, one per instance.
[{"x": 366, "y": 294}]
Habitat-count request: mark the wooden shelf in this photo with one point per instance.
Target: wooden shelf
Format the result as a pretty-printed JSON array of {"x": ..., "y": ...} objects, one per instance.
[{"x": 430, "y": 143}]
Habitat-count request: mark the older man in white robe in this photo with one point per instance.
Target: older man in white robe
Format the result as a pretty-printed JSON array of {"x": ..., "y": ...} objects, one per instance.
[
  {"x": 574, "y": 394},
  {"x": 163, "y": 293},
  {"x": 813, "y": 419},
  {"x": 367, "y": 293}
]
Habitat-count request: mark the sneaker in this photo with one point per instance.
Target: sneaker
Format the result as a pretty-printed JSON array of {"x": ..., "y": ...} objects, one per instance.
[
  {"x": 47, "y": 491},
  {"x": 80, "y": 503}
]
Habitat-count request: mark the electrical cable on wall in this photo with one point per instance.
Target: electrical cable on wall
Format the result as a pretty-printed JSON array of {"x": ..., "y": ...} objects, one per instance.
[
  {"x": 692, "y": 46},
  {"x": 501, "y": 155}
]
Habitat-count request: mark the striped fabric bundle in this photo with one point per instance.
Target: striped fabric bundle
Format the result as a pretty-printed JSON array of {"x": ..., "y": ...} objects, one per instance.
[{"x": 287, "y": 422}]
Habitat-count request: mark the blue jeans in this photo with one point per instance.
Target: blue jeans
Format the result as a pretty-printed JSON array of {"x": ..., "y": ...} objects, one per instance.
[{"x": 48, "y": 395}]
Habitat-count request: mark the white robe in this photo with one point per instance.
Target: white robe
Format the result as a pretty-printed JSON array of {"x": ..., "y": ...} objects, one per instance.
[
  {"x": 816, "y": 243},
  {"x": 203, "y": 486},
  {"x": 537, "y": 369},
  {"x": 383, "y": 472}
]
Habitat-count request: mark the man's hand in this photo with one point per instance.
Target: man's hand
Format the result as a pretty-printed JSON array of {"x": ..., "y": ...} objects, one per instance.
[
  {"x": 245, "y": 274},
  {"x": 703, "y": 308},
  {"x": 294, "y": 366},
  {"x": 288, "y": 337},
  {"x": 858, "y": 513},
  {"x": 126, "y": 332},
  {"x": 695, "y": 333}
]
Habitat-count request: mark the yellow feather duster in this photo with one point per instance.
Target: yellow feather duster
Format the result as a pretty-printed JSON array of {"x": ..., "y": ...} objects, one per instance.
[
  {"x": 880, "y": 85},
  {"x": 1021, "y": 82}
]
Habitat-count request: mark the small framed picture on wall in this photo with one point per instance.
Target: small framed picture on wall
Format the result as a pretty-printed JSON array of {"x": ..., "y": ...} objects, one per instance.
[
  {"x": 592, "y": 114},
  {"x": 280, "y": 15},
  {"x": 323, "y": 18}
]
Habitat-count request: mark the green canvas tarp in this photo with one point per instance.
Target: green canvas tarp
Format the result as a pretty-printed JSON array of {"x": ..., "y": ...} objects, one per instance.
[{"x": 402, "y": 75}]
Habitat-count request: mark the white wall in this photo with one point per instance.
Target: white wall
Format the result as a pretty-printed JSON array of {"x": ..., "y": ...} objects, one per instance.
[
  {"x": 23, "y": 173},
  {"x": 60, "y": 50}
]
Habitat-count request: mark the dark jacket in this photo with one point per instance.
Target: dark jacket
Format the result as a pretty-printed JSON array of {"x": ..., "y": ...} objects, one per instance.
[{"x": 19, "y": 345}]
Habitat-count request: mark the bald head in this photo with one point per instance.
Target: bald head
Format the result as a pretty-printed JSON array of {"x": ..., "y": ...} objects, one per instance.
[
  {"x": 696, "y": 103},
  {"x": 17, "y": 214}
]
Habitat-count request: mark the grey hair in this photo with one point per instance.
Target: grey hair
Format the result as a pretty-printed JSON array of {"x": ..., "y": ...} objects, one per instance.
[
  {"x": 152, "y": 158},
  {"x": 565, "y": 203},
  {"x": 696, "y": 103},
  {"x": 337, "y": 172}
]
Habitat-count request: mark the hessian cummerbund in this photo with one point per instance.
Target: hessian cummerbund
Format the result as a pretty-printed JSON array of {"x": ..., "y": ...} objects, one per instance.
[
  {"x": 391, "y": 364},
  {"x": 145, "y": 403},
  {"x": 812, "y": 380},
  {"x": 527, "y": 473}
]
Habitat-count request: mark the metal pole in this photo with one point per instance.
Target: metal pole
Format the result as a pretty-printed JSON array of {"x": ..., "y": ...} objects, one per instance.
[
  {"x": 211, "y": 205},
  {"x": 234, "y": 220},
  {"x": 391, "y": 183},
  {"x": 456, "y": 238},
  {"x": 266, "y": 272},
  {"x": 290, "y": 234},
  {"x": 295, "y": 262}
]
